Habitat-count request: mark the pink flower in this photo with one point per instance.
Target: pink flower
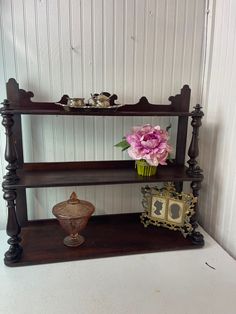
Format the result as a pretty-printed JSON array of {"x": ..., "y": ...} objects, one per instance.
[{"x": 149, "y": 143}]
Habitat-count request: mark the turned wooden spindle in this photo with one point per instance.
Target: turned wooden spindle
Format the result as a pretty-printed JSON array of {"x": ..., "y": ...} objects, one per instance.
[
  {"x": 10, "y": 150},
  {"x": 196, "y": 237},
  {"x": 9, "y": 194},
  {"x": 194, "y": 170},
  {"x": 13, "y": 229},
  {"x": 193, "y": 152}
]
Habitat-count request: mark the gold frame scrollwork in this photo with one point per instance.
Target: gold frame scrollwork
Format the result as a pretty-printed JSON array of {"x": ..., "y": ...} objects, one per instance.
[{"x": 168, "y": 196}]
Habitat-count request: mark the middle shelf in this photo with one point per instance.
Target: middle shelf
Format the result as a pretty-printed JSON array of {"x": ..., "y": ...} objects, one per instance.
[{"x": 94, "y": 173}]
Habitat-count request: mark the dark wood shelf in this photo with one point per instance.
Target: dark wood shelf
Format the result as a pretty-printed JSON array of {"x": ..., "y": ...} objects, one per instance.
[
  {"x": 94, "y": 173},
  {"x": 106, "y": 236},
  {"x": 52, "y": 109},
  {"x": 21, "y": 103}
]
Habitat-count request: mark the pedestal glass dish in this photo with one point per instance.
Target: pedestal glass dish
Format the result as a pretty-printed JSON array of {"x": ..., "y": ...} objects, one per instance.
[{"x": 73, "y": 216}]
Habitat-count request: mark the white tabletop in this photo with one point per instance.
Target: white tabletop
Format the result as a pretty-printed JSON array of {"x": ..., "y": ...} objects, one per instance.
[{"x": 158, "y": 283}]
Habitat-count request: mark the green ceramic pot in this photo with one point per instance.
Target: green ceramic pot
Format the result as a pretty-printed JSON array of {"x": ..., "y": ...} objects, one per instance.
[{"x": 144, "y": 169}]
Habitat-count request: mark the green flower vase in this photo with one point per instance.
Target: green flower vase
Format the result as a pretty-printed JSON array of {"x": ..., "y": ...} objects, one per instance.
[{"x": 144, "y": 169}]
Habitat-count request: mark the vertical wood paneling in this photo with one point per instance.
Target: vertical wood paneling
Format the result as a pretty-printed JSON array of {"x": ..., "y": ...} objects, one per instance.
[
  {"x": 169, "y": 51},
  {"x": 139, "y": 39},
  {"x": 79, "y": 138},
  {"x": 19, "y": 41},
  {"x": 129, "y": 27},
  {"x": 8, "y": 39},
  {"x": 218, "y": 150},
  {"x": 108, "y": 44},
  {"x": 54, "y": 51},
  {"x": 64, "y": 25},
  {"x": 78, "y": 47},
  {"x": 87, "y": 63},
  {"x": 2, "y": 54},
  {"x": 119, "y": 44},
  {"x": 97, "y": 31},
  {"x": 149, "y": 53},
  {"x": 42, "y": 41}
]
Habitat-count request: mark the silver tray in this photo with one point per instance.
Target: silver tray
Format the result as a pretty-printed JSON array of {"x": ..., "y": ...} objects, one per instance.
[{"x": 67, "y": 107}]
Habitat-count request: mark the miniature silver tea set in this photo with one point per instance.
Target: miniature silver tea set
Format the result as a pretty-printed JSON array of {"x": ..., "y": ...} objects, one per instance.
[{"x": 103, "y": 100}]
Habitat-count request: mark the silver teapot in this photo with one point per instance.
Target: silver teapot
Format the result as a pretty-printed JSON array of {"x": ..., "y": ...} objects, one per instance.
[{"x": 75, "y": 102}]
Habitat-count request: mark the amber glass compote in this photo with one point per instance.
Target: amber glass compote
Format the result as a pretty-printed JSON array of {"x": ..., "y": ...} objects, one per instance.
[{"x": 73, "y": 216}]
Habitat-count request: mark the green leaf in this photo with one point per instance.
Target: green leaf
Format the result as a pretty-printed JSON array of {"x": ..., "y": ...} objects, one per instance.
[
  {"x": 126, "y": 147},
  {"x": 123, "y": 145},
  {"x": 170, "y": 159},
  {"x": 168, "y": 127}
]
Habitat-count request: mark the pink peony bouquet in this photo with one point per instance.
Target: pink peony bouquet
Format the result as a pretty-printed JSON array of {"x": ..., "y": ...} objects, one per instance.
[{"x": 147, "y": 142}]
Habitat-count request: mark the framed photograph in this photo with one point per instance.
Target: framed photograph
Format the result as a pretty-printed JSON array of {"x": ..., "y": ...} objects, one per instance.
[
  {"x": 167, "y": 208},
  {"x": 176, "y": 211},
  {"x": 158, "y": 207}
]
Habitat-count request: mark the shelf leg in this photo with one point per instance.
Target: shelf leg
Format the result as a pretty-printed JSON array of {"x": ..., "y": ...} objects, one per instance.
[
  {"x": 178, "y": 186},
  {"x": 193, "y": 151},
  {"x": 10, "y": 149},
  {"x": 9, "y": 194},
  {"x": 196, "y": 237},
  {"x": 13, "y": 229}
]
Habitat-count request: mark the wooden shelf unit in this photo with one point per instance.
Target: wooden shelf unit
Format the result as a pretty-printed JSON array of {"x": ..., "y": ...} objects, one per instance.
[{"x": 41, "y": 240}]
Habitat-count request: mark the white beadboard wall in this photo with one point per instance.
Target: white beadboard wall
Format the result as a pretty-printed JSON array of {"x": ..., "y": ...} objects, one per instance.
[
  {"x": 129, "y": 47},
  {"x": 218, "y": 197}
]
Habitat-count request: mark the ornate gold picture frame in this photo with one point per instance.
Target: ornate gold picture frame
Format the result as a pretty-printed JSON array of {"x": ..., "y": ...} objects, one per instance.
[{"x": 167, "y": 208}]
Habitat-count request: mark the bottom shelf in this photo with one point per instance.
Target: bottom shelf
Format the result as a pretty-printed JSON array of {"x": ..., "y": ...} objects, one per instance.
[{"x": 106, "y": 236}]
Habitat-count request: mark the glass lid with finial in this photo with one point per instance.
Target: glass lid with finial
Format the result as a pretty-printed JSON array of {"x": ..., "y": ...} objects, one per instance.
[
  {"x": 73, "y": 216},
  {"x": 73, "y": 208}
]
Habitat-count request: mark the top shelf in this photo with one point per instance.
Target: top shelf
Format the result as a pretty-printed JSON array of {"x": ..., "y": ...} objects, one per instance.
[
  {"x": 19, "y": 102},
  {"x": 39, "y": 109}
]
